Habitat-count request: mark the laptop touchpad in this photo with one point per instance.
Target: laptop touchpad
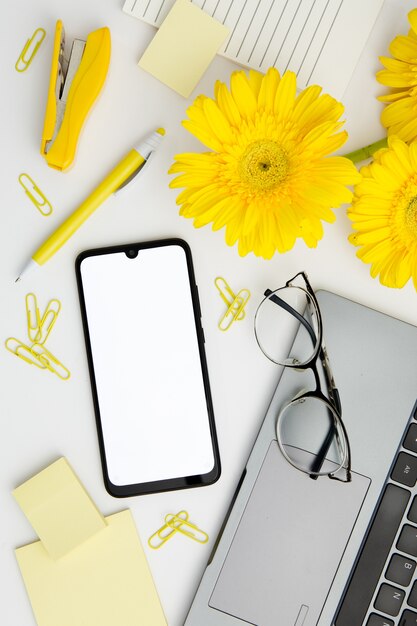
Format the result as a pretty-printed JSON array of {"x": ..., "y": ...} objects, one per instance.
[{"x": 288, "y": 545}]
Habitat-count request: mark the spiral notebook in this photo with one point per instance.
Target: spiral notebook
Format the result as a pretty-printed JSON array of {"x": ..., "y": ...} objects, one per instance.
[{"x": 320, "y": 40}]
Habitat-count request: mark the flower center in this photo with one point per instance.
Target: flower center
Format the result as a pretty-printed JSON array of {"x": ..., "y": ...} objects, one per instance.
[
  {"x": 264, "y": 165},
  {"x": 411, "y": 216}
]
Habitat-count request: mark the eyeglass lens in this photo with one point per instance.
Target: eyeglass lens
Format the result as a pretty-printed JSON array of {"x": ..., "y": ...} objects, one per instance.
[
  {"x": 304, "y": 428},
  {"x": 280, "y": 315}
]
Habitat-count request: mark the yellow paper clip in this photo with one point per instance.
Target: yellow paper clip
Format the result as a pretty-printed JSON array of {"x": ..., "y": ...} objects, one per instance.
[
  {"x": 29, "y": 50},
  {"x": 38, "y": 198},
  {"x": 164, "y": 533},
  {"x": 39, "y": 329},
  {"x": 48, "y": 320},
  {"x": 173, "y": 524},
  {"x": 50, "y": 361},
  {"x": 23, "y": 352},
  {"x": 235, "y": 303},
  {"x": 33, "y": 317},
  {"x": 186, "y": 528}
]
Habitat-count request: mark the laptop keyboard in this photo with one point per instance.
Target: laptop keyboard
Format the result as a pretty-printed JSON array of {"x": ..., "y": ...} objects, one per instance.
[{"x": 383, "y": 588}]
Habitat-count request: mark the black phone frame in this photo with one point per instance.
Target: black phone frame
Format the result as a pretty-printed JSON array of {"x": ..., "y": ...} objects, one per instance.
[{"x": 169, "y": 484}]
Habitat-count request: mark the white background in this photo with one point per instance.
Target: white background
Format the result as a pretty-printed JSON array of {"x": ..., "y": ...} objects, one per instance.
[{"x": 42, "y": 417}]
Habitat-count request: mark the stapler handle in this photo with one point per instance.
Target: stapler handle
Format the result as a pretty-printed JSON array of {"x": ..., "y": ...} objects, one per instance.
[
  {"x": 85, "y": 88},
  {"x": 51, "y": 104}
]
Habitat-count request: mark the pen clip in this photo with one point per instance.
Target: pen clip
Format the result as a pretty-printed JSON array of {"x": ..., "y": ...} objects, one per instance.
[
  {"x": 145, "y": 150},
  {"x": 130, "y": 179}
]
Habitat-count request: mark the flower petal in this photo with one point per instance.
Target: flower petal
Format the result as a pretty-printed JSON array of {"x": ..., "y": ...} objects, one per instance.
[
  {"x": 285, "y": 96},
  {"x": 243, "y": 95},
  {"x": 227, "y": 105},
  {"x": 218, "y": 122}
]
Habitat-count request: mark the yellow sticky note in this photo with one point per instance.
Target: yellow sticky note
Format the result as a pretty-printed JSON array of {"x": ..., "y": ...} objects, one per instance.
[
  {"x": 59, "y": 509},
  {"x": 105, "y": 582},
  {"x": 184, "y": 46}
]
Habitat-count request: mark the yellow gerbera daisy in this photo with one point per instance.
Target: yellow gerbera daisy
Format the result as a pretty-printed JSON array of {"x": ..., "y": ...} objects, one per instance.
[
  {"x": 268, "y": 179},
  {"x": 384, "y": 214},
  {"x": 400, "y": 116}
]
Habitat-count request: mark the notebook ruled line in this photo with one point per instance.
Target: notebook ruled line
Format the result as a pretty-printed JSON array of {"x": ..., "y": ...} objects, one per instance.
[
  {"x": 160, "y": 9},
  {"x": 301, "y": 34},
  {"x": 236, "y": 25},
  {"x": 261, "y": 30},
  {"x": 248, "y": 28},
  {"x": 288, "y": 32},
  {"x": 325, "y": 41},
  {"x": 313, "y": 37},
  {"x": 273, "y": 34},
  {"x": 228, "y": 11}
]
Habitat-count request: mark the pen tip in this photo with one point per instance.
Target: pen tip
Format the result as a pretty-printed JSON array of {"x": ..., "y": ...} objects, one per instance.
[
  {"x": 17, "y": 279},
  {"x": 161, "y": 131}
]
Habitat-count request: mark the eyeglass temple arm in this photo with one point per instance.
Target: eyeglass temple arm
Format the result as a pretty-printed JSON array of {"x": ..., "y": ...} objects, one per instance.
[
  {"x": 333, "y": 391},
  {"x": 284, "y": 305},
  {"x": 323, "y": 352},
  {"x": 331, "y": 385}
]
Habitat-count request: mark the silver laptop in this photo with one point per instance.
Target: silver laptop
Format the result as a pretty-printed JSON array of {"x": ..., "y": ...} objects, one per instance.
[{"x": 300, "y": 552}]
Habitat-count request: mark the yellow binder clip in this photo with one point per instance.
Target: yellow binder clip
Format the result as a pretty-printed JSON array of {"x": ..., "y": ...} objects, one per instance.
[
  {"x": 38, "y": 198},
  {"x": 173, "y": 524},
  {"x": 73, "y": 89},
  {"x": 235, "y": 303},
  {"x": 29, "y": 50}
]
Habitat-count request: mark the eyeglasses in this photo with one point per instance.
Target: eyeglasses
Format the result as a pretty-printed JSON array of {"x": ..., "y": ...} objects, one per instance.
[{"x": 310, "y": 431}]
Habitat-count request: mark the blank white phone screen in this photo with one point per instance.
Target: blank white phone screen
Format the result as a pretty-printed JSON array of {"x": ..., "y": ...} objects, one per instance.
[{"x": 147, "y": 366}]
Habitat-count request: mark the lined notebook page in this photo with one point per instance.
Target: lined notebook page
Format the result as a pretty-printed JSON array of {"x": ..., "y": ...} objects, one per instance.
[{"x": 320, "y": 40}]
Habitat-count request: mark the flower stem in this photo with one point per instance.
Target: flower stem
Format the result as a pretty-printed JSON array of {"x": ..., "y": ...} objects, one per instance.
[{"x": 367, "y": 151}]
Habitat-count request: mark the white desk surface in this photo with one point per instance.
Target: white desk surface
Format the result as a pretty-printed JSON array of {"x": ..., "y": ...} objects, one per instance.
[{"x": 43, "y": 418}]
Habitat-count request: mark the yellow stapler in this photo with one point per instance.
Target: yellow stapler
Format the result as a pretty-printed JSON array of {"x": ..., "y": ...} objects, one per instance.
[{"x": 73, "y": 87}]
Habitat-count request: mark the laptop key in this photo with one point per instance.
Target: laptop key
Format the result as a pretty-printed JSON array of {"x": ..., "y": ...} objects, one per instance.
[
  {"x": 378, "y": 620},
  {"x": 405, "y": 469},
  {"x": 400, "y": 570},
  {"x": 412, "y": 598},
  {"x": 408, "y": 618},
  {"x": 407, "y": 541},
  {"x": 375, "y": 551},
  {"x": 412, "y": 513},
  {"x": 410, "y": 441},
  {"x": 389, "y": 600}
]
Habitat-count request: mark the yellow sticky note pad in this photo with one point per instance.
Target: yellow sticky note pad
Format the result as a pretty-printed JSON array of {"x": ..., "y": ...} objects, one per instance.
[
  {"x": 86, "y": 569},
  {"x": 59, "y": 509},
  {"x": 106, "y": 582},
  {"x": 184, "y": 46}
]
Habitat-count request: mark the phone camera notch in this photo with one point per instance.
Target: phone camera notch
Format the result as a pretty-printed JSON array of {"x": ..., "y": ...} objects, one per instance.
[{"x": 132, "y": 253}]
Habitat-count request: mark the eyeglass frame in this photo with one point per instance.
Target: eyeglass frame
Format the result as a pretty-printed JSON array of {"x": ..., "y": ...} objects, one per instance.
[{"x": 333, "y": 401}]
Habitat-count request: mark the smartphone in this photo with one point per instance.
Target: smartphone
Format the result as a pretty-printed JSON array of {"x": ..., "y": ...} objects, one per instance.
[{"x": 148, "y": 370}]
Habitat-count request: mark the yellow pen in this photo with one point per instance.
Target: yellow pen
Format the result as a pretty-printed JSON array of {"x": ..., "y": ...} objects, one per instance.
[{"x": 128, "y": 167}]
